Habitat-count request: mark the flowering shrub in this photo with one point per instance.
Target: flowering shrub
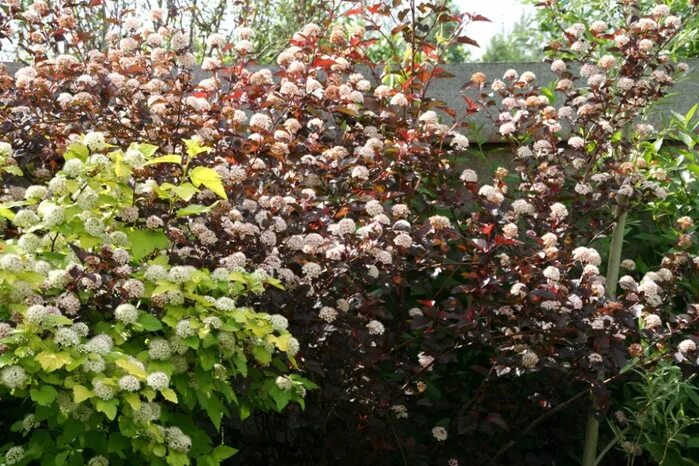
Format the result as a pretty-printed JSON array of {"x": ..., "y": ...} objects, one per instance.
[
  {"x": 413, "y": 285},
  {"x": 122, "y": 345}
]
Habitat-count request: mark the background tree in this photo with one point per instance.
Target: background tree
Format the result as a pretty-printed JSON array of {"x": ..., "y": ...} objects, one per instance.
[{"x": 518, "y": 45}]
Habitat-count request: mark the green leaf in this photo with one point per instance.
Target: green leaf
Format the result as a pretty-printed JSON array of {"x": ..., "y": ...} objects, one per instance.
[
  {"x": 194, "y": 209},
  {"x": 223, "y": 452},
  {"x": 209, "y": 178},
  {"x": 194, "y": 148},
  {"x": 133, "y": 400},
  {"x": 81, "y": 394},
  {"x": 177, "y": 459},
  {"x": 185, "y": 191},
  {"x": 14, "y": 170},
  {"x": 131, "y": 367},
  {"x": 281, "y": 397},
  {"x": 51, "y": 361},
  {"x": 149, "y": 322},
  {"x": 170, "y": 158},
  {"x": 262, "y": 355},
  {"x": 169, "y": 394},
  {"x": 44, "y": 395},
  {"x": 76, "y": 151},
  {"x": 145, "y": 242},
  {"x": 108, "y": 407},
  {"x": 146, "y": 149},
  {"x": 6, "y": 213}
]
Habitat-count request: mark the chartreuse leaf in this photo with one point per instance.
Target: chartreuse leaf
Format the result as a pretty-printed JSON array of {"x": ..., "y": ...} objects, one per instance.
[
  {"x": 194, "y": 148},
  {"x": 43, "y": 395},
  {"x": 170, "y": 158},
  {"x": 108, "y": 407},
  {"x": 145, "y": 242},
  {"x": 76, "y": 151},
  {"x": 51, "y": 361},
  {"x": 81, "y": 394},
  {"x": 131, "y": 367},
  {"x": 194, "y": 209},
  {"x": 208, "y": 177},
  {"x": 169, "y": 394},
  {"x": 6, "y": 213},
  {"x": 146, "y": 149}
]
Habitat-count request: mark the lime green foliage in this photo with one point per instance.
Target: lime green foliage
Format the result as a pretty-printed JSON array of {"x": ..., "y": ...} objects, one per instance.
[
  {"x": 661, "y": 416},
  {"x": 113, "y": 349}
]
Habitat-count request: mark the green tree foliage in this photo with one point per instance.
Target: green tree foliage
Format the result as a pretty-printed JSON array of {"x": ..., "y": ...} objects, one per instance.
[{"x": 518, "y": 45}]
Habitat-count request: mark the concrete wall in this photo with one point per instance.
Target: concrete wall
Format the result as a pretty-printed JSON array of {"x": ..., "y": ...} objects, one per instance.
[{"x": 685, "y": 92}]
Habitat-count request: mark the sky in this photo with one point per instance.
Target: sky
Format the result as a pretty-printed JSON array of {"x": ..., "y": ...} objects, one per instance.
[{"x": 503, "y": 14}]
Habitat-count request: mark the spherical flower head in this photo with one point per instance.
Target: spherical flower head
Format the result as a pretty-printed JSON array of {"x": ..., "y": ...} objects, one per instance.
[
  {"x": 155, "y": 273},
  {"x": 98, "y": 461},
  {"x": 510, "y": 231},
  {"x": 126, "y": 313},
  {"x": 177, "y": 440},
  {"x": 53, "y": 215},
  {"x": 328, "y": 314},
  {"x": 224, "y": 304},
  {"x": 261, "y": 121},
  {"x": 129, "y": 383},
  {"x": 134, "y": 288},
  {"x": 14, "y": 455},
  {"x": 180, "y": 273},
  {"x": 184, "y": 329},
  {"x": 312, "y": 270},
  {"x": 403, "y": 240},
  {"x": 552, "y": 273},
  {"x": 558, "y": 66},
  {"x": 559, "y": 212},
  {"x": 25, "y": 218},
  {"x": 215, "y": 40},
  {"x": 469, "y": 176},
  {"x": 148, "y": 412},
  {"x": 293, "y": 347},
  {"x": 13, "y": 377},
  {"x": 346, "y": 226},
  {"x": 36, "y": 192},
  {"x": 439, "y": 433},
  {"x": 66, "y": 336},
  {"x": 360, "y": 172},
  {"x": 439, "y": 222},
  {"x": 94, "y": 141},
  {"x": 529, "y": 359},
  {"x": 576, "y": 142},
  {"x": 159, "y": 349},
  {"x": 459, "y": 142},
  {"x": 103, "y": 391},
  {"x": 687, "y": 346},
  {"x": 279, "y": 322},
  {"x": 134, "y": 158},
  {"x": 11, "y": 263},
  {"x": 492, "y": 194},
  {"x": 587, "y": 256},
  {"x": 179, "y": 41},
  {"x": 646, "y": 45},
  {"x": 212, "y": 322},
  {"x": 628, "y": 283},
  {"x": 652, "y": 321},
  {"x": 284, "y": 383},
  {"x": 375, "y": 327},
  {"x": 158, "y": 380},
  {"x": 507, "y": 128},
  {"x": 5, "y": 150},
  {"x": 399, "y": 100}
]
